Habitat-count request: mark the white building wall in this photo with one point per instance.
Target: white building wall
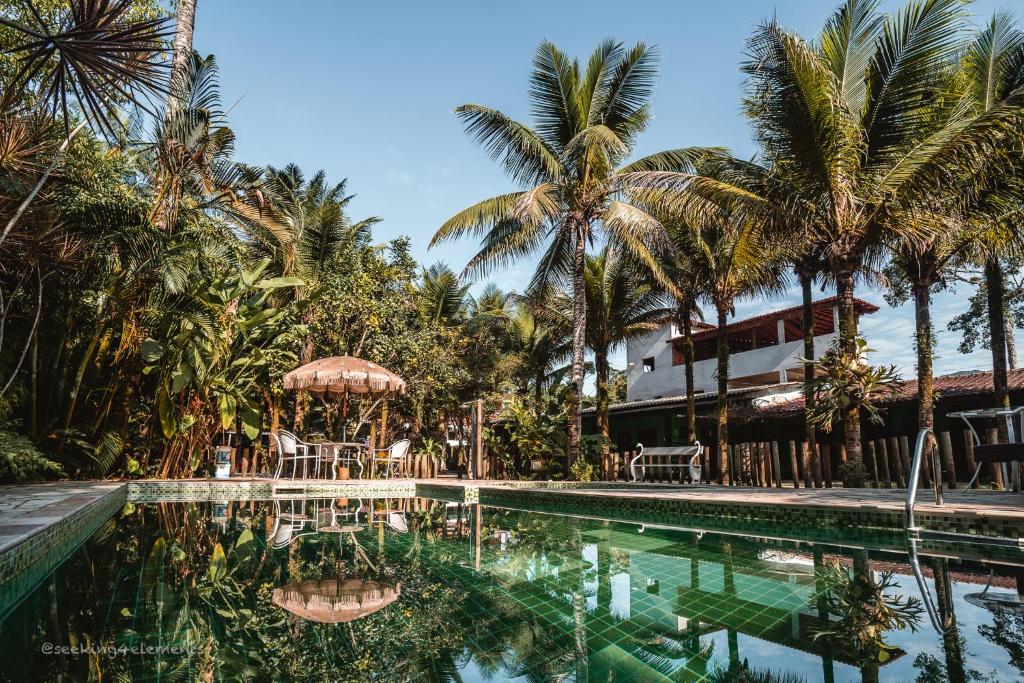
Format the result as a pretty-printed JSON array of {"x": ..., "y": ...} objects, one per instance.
[{"x": 669, "y": 380}]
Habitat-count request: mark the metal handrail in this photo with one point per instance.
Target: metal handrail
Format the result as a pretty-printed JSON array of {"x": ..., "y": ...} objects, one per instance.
[
  {"x": 922, "y": 585},
  {"x": 915, "y": 474}
]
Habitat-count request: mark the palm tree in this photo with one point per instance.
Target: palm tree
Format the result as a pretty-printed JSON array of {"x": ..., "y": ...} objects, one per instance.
[
  {"x": 734, "y": 257},
  {"x": 442, "y": 298},
  {"x": 542, "y": 343},
  {"x": 993, "y": 67},
  {"x": 184, "y": 26},
  {"x": 849, "y": 125},
  {"x": 96, "y": 54},
  {"x": 622, "y": 304},
  {"x": 577, "y": 186}
]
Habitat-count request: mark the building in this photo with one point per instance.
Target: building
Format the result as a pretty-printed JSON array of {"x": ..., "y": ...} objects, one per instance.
[
  {"x": 765, "y": 368},
  {"x": 765, "y": 398},
  {"x": 763, "y": 351}
]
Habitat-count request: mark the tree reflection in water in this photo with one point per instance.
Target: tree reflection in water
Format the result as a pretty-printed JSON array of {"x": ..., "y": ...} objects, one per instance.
[{"x": 503, "y": 594}]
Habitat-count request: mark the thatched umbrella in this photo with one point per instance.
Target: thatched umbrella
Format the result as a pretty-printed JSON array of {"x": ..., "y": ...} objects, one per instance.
[
  {"x": 334, "y": 601},
  {"x": 344, "y": 375}
]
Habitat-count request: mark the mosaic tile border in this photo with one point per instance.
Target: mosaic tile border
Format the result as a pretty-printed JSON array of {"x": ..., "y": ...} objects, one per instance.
[
  {"x": 24, "y": 566},
  {"x": 797, "y": 520},
  {"x": 152, "y": 491}
]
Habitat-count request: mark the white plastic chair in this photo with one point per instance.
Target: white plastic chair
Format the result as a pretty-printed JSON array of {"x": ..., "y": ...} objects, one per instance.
[
  {"x": 290, "y": 448},
  {"x": 395, "y": 457}
]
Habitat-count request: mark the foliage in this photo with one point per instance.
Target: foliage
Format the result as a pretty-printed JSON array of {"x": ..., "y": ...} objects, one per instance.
[
  {"x": 866, "y": 610},
  {"x": 531, "y": 433},
  {"x": 210, "y": 364},
  {"x": 582, "y": 470},
  {"x": 21, "y": 461},
  {"x": 853, "y": 474},
  {"x": 842, "y": 380}
]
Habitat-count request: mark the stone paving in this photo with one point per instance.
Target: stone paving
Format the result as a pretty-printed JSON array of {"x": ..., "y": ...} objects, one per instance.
[{"x": 26, "y": 510}]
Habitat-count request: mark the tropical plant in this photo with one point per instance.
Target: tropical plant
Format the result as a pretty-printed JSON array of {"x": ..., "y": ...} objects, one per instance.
[
  {"x": 21, "y": 461},
  {"x": 622, "y": 303},
  {"x": 733, "y": 257},
  {"x": 856, "y": 133},
  {"x": 211, "y": 356},
  {"x": 577, "y": 187},
  {"x": 866, "y": 609},
  {"x": 96, "y": 54},
  {"x": 843, "y": 380},
  {"x": 993, "y": 75}
]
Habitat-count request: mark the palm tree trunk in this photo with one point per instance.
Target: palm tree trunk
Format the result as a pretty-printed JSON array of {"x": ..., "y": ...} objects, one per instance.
[
  {"x": 810, "y": 431},
  {"x": 579, "y": 324},
  {"x": 923, "y": 321},
  {"x": 184, "y": 25},
  {"x": 722, "y": 407},
  {"x": 603, "y": 426},
  {"x": 848, "y": 345},
  {"x": 691, "y": 401},
  {"x": 1011, "y": 345},
  {"x": 997, "y": 335}
]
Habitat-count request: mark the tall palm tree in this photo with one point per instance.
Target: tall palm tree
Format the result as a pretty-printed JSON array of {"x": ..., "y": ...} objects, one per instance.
[
  {"x": 622, "y": 303},
  {"x": 576, "y": 186},
  {"x": 733, "y": 257},
  {"x": 848, "y": 123},
  {"x": 993, "y": 68},
  {"x": 184, "y": 27}
]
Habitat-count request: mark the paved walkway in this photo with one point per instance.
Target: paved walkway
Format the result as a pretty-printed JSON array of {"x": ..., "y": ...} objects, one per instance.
[
  {"x": 27, "y": 509},
  {"x": 959, "y": 502}
]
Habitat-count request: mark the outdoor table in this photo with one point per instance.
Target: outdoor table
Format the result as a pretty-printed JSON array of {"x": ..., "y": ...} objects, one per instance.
[
  {"x": 335, "y": 449},
  {"x": 1013, "y": 435}
]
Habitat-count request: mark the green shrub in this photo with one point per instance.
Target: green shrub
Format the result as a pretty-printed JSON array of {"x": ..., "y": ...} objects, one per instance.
[
  {"x": 21, "y": 461},
  {"x": 581, "y": 470},
  {"x": 853, "y": 474}
]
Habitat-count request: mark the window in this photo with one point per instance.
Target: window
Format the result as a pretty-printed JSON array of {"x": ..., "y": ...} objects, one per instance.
[{"x": 649, "y": 364}]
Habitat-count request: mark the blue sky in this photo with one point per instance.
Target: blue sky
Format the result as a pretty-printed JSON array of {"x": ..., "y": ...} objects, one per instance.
[{"x": 366, "y": 91}]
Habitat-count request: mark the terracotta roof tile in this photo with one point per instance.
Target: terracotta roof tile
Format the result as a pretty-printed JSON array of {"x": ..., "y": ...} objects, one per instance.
[{"x": 946, "y": 386}]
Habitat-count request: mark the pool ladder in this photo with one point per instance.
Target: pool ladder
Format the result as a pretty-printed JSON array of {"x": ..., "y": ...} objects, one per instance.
[{"x": 915, "y": 475}]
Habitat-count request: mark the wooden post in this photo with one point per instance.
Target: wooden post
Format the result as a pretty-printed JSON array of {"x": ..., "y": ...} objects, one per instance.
[
  {"x": 793, "y": 464},
  {"x": 826, "y": 465},
  {"x": 897, "y": 462},
  {"x": 883, "y": 456},
  {"x": 478, "y": 439},
  {"x": 373, "y": 444},
  {"x": 762, "y": 465},
  {"x": 946, "y": 448},
  {"x": 735, "y": 462},
  {"x": 992, "y": 436},
  {"x": 873, "y": 460},
  {"x": 805, "y": 456},
  {"x": 776, "y": 465},
  {"x": 905, "y": 457},
  {"x": 972, "y": 466}
]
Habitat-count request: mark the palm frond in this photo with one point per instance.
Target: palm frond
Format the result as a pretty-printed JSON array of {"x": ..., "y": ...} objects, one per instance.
[{"x": 525, "y": 156}]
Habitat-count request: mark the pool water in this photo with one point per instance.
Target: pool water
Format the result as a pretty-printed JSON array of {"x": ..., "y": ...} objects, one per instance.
[{"x": 423, "y": 590}]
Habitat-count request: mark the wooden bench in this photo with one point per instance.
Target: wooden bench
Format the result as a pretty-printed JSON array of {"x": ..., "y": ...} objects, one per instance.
[{"x": 673, "y": 456}]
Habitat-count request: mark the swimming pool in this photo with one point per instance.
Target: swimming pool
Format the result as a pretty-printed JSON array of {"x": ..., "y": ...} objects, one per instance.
[{"x": 414, "y": 589}]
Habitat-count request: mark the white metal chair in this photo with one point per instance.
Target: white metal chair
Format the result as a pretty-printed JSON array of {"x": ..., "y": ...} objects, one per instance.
[
  {"x": 290, "y": 448},
  {"x": 395, "y": 458}
]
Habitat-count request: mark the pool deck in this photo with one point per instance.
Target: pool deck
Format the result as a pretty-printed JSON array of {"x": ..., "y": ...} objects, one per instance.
[{"x": 30, "y": 510}]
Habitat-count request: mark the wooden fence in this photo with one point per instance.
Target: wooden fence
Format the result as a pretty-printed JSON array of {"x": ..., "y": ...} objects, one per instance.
[{"x": 793, "y": 464}]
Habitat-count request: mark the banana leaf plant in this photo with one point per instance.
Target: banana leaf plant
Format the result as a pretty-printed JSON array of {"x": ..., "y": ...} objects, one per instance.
[{"x": 212, "y": 353}]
